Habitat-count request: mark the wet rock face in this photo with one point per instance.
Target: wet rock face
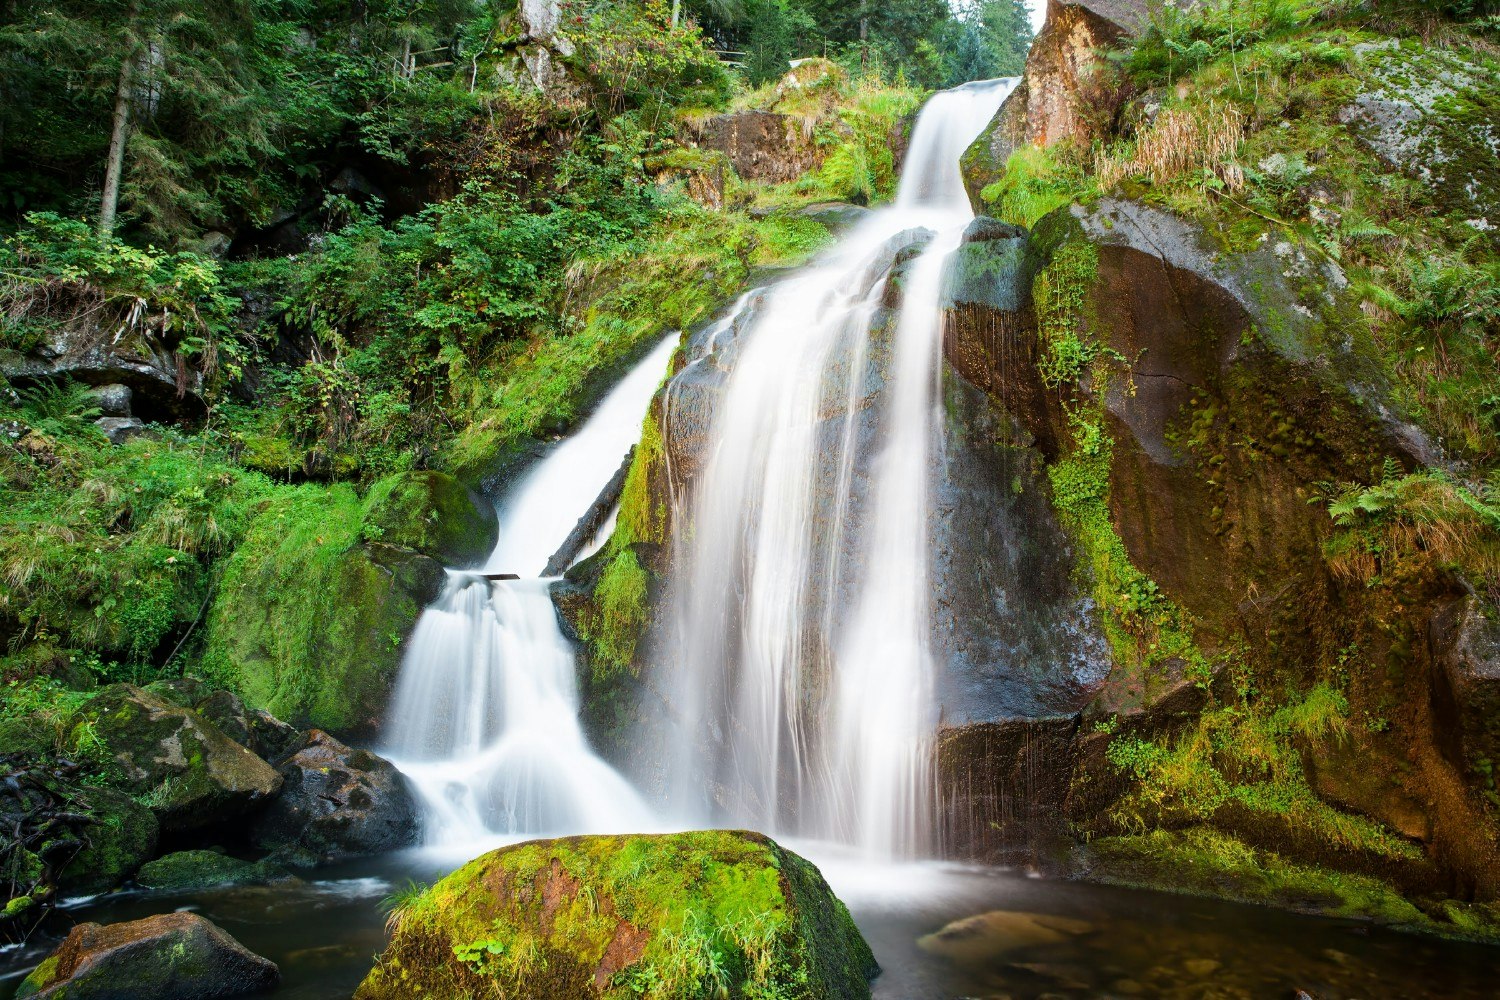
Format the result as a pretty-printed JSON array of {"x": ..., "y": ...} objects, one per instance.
[
  {"x": 336, "y": 803},
  {"x": 592, "y": 917},
  {"x": 1016, "y": 636},
  {"x": 175, "y": 956},
  {"x": 761, "y": 145},
  {"x": 1237, "y": 381},
  {"x": 195, "y": 775},
  {"x": 1467, "y": 694}
]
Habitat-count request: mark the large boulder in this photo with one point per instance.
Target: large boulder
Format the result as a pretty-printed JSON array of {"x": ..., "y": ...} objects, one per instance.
[
  {"x": 120, "y": 834},
  {"x": 717, "y": 913},
  {"x": 1430, "y": 112},
  {"x": 193, "y": 775},
  {"x": 336, "y": 803},
  {"x": 174, "y": 956},
  {"x": 1234, "y": 382},
  {"x": 434, "y": 514},
  {"x": 316, "y": 604}
]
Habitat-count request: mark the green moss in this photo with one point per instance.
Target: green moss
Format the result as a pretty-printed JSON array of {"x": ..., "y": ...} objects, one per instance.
[
  {"x": 186, "y": 870},
  {"x": 308, "y": 622},
  {"x": 1036, "y": 182},
  {"x": 619, "y": 612},
  {"x": 430, "y": 513},
  {"x": 1200, "y": 861},
  {"x": 681, "y": 916},
  {"x": 1246, "y": 756}
]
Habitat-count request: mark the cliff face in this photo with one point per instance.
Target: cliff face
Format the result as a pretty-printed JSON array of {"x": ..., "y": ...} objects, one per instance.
[
  {"x": 1289, "y": 670},
  {"x": 1047, "y": 106}
]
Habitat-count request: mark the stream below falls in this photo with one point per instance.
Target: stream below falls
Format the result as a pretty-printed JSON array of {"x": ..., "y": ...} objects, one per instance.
[{"x": 325, "y": 931}]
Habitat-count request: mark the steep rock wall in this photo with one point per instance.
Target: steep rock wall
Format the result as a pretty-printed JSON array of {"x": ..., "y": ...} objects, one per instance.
[{"x": 1235, "y": 385}]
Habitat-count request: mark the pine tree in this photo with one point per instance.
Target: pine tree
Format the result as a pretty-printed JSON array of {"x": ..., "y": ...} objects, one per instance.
[{"x": 165, "y": 80}]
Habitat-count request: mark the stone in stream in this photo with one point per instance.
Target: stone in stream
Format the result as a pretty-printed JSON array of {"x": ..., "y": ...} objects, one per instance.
[
  {"x": 336, "y": 802},
  {"x": 724, "y": 913},
  {"x": 982, "y": 937},
  {"x": 195, "y": 775},
  {"x": 186, "y": 870},
  {"x": 120, "y": 835},
  {"x": 173, "y": 956}
]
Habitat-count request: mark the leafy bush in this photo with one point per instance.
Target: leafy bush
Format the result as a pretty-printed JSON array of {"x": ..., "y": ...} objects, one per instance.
[{"x": 57, "y": 276}]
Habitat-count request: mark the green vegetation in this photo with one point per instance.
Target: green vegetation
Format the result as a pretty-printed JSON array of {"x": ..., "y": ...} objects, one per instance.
[
  {"x": 687, "y": 915},
  {"x": 1246, "y": 754},
  {"x": 927, "y": 42},
  {"x": 1201, "y": 861},
  {"x": 348, "y": 249}
]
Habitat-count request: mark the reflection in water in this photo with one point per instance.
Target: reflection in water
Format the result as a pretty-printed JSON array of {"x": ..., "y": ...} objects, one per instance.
[{"x": 1036, "y": 938}]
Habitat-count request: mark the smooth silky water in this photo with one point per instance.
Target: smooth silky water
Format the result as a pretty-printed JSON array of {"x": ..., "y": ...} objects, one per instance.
[
  {"x": 799, "y": 527},
  {"x": 325, "y": 932}
]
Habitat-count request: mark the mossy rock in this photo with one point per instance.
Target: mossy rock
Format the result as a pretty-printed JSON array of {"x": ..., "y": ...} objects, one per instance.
[
  {"x": 707, "y": 914},
  {"x": 1203, "y": 862},
  {"x": 191, "y": 773},
  {"x": 433, "y": 514},
  {"x": 174, "y": 956},
  {"x": 187, "y": 870},
  {"x": 330, "y": 661},
  {"x": 121, "y": 835}
]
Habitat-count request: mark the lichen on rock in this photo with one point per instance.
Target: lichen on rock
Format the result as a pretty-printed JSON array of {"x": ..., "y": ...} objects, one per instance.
[{"x": 707, "y": 914}]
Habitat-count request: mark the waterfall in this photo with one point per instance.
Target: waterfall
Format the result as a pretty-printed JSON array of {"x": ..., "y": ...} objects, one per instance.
[
  {"x": 484, "y": 721},
  {"x": 800, "y": 664}
]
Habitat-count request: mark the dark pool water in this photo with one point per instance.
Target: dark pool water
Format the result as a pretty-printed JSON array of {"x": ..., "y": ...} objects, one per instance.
[{"x": 1007, "y": 936}]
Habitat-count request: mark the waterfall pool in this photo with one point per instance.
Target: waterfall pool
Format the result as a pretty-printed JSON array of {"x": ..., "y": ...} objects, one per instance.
[{"x": 325, "y": 931}]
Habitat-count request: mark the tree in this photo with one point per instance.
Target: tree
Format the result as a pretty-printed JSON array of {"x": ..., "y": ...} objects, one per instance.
[{"x": 163, "y": 79}]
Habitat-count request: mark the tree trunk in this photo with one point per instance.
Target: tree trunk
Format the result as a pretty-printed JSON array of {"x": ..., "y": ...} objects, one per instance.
[
  {"x": 119, "y": 133},
  {"x": 864, "y": 36},
  {"x": 676, "y": 11}
]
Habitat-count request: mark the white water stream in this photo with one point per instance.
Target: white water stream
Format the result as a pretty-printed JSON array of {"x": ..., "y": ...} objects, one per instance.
[
  {"x": 803, "y": 585},
  {"x": 801, "y": 575},
  {"x": 485, "y": 716}
]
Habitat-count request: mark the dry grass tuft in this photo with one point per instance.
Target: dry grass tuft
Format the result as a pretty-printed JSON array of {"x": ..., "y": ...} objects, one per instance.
[{"x": 1179, "y": 141}]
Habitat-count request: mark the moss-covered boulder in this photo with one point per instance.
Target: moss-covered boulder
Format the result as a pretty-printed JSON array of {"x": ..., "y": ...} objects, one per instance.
[
  {"x": 186, "y": 870},
  {"x": 717, "y": 913},
  {"x": 433, "y": 514},
  {"x": 174, "y": 956},
  {"x": 316, "y": 604},
  {"x": 191, "y": 773},
  {"x": 337, "y": 802},
  {"x": 120, "y": 834}
]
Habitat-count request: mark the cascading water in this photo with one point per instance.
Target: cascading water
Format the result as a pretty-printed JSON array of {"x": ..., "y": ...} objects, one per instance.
[
  {"x": 802, "y": 585},
  {"x": 485, "y": 716}
]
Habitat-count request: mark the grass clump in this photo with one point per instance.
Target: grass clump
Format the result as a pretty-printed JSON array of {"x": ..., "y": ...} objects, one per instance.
[
  {"x": 1422, "y": 516},
  {"x": 1037, "y": 181},
  {"x": 108, "y": 549}
]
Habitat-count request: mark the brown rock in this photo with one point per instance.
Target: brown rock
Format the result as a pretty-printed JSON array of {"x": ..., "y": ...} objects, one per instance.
[{"x": 173, "y": 956}]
